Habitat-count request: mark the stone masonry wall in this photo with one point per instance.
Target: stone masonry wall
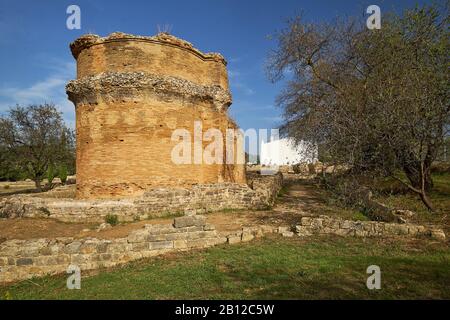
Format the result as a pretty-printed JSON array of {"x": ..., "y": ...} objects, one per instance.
[
  {"x": 24, "y": 259},
  {"x": 326, "y": 225},
  {"x": 158, "y": 202}
]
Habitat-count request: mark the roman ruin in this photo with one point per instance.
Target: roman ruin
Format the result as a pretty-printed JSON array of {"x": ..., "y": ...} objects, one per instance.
[{"x": 130, "y": 94}]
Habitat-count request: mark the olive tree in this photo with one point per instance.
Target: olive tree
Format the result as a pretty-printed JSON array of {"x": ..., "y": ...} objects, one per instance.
[
  {"x": 376, "y": 100},
  {"x": 36, "y": 137}
]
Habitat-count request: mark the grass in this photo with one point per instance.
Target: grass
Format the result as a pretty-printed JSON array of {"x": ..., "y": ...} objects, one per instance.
[
  {"x": 395, "y": 195},
  {"x": 271, "y": 268},
  {"x": 439, "y": 196},
  {"x": 112, "y": 219},
  {"x": 317, "y": 200},
  {"x": 283, "y": 191}
]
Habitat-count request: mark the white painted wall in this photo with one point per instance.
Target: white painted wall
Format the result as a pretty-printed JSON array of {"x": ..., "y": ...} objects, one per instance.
[{"x": 284, "y": 152}]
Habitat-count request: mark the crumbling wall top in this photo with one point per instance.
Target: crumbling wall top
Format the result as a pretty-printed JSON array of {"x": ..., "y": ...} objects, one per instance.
[{"x": 88, "y": 40}]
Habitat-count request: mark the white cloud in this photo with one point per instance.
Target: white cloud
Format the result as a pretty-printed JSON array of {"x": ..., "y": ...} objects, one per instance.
[
  {"x": 273, "y": 118},
  {"x": 244, "y": 106},
  {"x": 50, "y": 89},
  {"x": 235, "y": 59}
]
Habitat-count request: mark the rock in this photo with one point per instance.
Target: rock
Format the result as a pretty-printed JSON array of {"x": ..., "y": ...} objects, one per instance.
[
  {"x": 329, "y": 169},
  {"x": 404, "y": 213},
  {"x": 189, "y": 221},
  {"x": 209, "y": 227},
  {"x": 247, "y": 235},
  {"x": 190, "y": 212},
  {"x": 303, "y": 231},
  {"x": 287, "y": 234},
  {"x": 305, "y": 221},
  {"x": 232, "y": 239},
  {"x": 267, "y": 229},
  {"x": 103, "y": 226},
  {"x": 138, "y": 236},
  {"x": 301, "y": 168},
  {"x": 437, "y": 234},
  {"x": 347, "y": 224},
  {"x": 396, "y": 229},
  {"x": 24, "y": 261},
  {"x": 282, "y": 229},
  {"x": 157, "y": 245},
  {"x": 12, "y": 208}
]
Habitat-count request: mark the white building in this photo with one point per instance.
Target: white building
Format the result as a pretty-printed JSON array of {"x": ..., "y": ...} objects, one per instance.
[{"x": 285, "y": 152}]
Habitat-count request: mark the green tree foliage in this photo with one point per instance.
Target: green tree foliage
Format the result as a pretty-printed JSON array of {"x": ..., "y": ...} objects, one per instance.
[
  {"x": 51, "y": 173},
  {"x": 35, "y": 139},
  {"x": 62, "y": 173}
]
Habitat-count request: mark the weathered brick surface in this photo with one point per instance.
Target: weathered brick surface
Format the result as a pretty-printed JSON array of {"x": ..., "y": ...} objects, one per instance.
[
  {"x": 161, "y": 54},
  {"x": 131, "y": 93}
]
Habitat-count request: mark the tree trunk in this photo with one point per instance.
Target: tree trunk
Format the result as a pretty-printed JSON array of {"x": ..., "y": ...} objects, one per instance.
[
  {"x": 37, "y": 183},
  {"x": 420, "y": 181},
  {"x": 413, "y": 173},
  {"x": 426, "y": 201}
]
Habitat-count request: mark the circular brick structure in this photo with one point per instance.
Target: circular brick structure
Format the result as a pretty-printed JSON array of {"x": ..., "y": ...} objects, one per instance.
[{"x": 130, "y": 94}]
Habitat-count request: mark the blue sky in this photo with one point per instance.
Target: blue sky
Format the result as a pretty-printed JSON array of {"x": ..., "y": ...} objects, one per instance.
[{"x": 36, "y": 63}]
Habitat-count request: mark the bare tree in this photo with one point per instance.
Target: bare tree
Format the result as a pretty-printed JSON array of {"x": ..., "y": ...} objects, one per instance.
[
  {"x": 37, "y": 137},
  {"x": 377, "y": 100}
]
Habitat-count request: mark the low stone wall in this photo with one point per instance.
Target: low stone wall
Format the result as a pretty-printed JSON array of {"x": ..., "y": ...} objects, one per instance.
[
  {"x": 154, "y": 203},
  {"x": 24, "y": 259},
  {"x": 326, "y": 225},
  {"x": 267, "y": 187}
]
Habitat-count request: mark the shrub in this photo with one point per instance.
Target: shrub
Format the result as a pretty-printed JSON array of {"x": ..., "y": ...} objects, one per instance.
[
  {"x": 51, "y": 174},
  {"x": 6, "y": 187},
  {"x": 112, "y": 219},
  {"x": 349, "y": 190},
  {"x": 45, "y": 211},
  {"x": 62, "y": 172}
]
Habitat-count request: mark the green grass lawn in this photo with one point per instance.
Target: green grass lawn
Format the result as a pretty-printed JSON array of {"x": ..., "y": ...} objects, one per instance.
[{"x": 270, "y": 268}]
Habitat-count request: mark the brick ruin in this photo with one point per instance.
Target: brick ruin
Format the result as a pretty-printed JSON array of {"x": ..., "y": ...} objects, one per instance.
[{"x": 130, "y": 94}]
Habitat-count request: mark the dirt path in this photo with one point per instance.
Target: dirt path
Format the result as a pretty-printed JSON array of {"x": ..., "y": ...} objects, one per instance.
[{"x": 301, "y": 195}]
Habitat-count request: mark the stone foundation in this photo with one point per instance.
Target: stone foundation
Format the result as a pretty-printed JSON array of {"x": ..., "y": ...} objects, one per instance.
[
  {"x": 326, "y": 225},
  {"x": 154, "y": 203},
  {"x": 24, "y": 259}
]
